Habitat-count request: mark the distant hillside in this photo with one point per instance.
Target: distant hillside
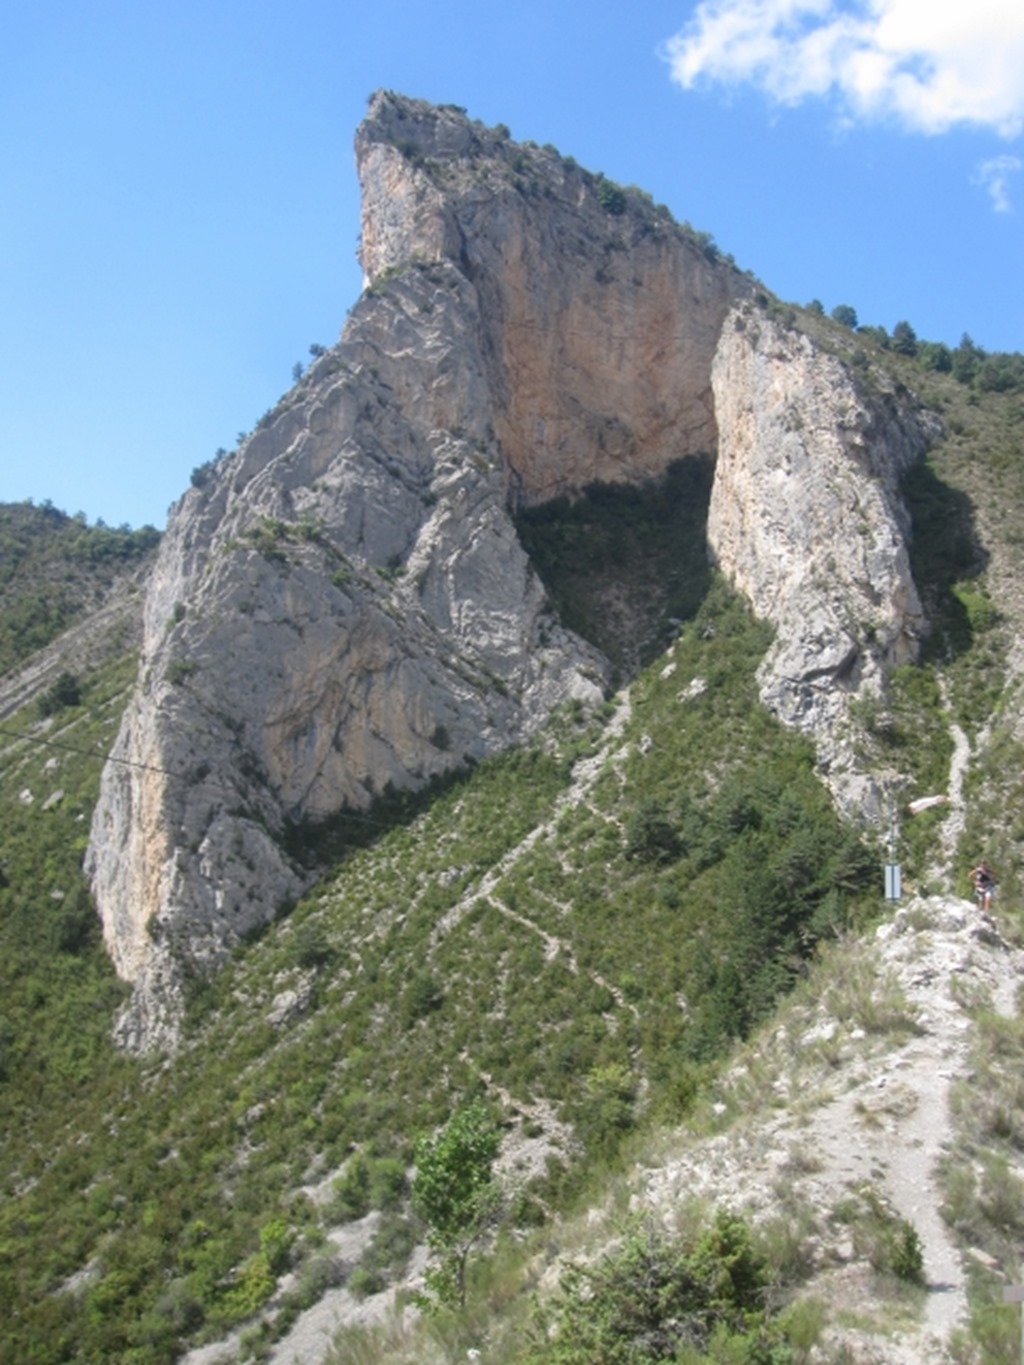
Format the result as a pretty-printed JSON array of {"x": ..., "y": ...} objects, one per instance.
[{"x": 55, "y": 568}]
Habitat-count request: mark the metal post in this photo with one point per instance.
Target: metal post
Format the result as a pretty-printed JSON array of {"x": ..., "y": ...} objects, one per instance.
[{"x": 893, "y": 876}]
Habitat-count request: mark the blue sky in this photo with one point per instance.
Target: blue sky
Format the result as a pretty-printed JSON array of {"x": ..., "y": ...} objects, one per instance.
[{"x": 179, "y": 209}]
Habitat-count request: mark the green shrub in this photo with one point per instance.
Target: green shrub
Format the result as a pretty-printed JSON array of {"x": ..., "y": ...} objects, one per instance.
[
  {"x": 888, "y": 1241},
  {"x": 610, "y": 196},
  {"x": 366, "y": 1280},
  {"x": 65, "y": 692},
  {"x": 253, "y": 1286},
  {"x": 276, "y": 1239},
  {"x": 903, "y": 1256},
  {"x": 422, "y": 996},
  {"x": 655, "y": 1298},
  {"x": 389, "y": 1183},
  {"x": 368, "y": 1183},
  {"x": 606, "y": 1112},
  {"x": 311, "y": 946},
  {"x": 650, "y": 835}
]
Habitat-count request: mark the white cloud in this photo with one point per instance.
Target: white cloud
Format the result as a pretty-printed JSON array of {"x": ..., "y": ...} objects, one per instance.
[
  {"x": 994, "y": 175},
  {"x": 931, "y": 64}
]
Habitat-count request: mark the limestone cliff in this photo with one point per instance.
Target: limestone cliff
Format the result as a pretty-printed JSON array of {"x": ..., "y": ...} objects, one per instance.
[
  {"x": 598, "y": 316},
  {"x": 342, "y": 605},
  {"x": 807, "y": 521}
]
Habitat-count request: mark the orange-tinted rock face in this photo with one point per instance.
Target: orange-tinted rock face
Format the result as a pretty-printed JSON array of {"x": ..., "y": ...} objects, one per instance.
[
  {"x": 604, "y": 378},
  {"x": 597, "y": 317}
]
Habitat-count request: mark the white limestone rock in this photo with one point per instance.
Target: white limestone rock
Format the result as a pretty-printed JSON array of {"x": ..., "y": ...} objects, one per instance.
[{"x": 806, "y": 520}]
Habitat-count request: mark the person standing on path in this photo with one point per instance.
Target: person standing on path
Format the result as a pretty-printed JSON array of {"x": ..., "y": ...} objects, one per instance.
[{"x": 984, "y": 882}]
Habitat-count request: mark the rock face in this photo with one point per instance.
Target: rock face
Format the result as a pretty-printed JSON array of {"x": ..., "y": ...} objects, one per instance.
[
  {"x": 807, "y": 521},
  {"x": 596, "y": 317},
  {"x": 342, "y": 605}
]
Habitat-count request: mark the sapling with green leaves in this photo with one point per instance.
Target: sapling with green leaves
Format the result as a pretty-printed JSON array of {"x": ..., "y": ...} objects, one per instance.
[{"x": 455, "y": 1193}]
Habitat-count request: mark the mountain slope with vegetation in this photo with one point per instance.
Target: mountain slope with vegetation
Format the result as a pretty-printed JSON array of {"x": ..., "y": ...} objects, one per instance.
[
  {"x": 574, "y": 936},
  {"x": 592, "y": 977},
  {"x": 54, "y": 569}
]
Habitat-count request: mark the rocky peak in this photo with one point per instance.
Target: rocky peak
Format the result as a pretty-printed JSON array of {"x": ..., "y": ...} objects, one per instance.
[
  {"x": 598, "y": 315},
  {"x": 343, "y": 607}
]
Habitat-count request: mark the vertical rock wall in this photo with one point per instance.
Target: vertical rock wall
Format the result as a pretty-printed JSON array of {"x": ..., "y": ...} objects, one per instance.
[
  {"x": 600, "y": 316},
  {"x": 806, "y": 520}
]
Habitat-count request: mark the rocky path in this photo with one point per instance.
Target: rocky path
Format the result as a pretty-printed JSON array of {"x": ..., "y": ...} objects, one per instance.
[
  {"x": 584, "y": 776},
  {"x": 892, "y": 1128},
  {"x": 855, "y": 1105}
]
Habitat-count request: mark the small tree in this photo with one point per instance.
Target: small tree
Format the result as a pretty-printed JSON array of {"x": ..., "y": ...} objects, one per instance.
[
  {"x": 845, "y": 315},
  {"x": 66, "y": 691},
  {"x": 904, "y": 339},
  {"x": 455, "y": 1194},
  {"x": 966, "y": 359},
  {"x": 650, "y": 835},
  {"x": 933, "y": 355},
  {"x": 610, "y": 196}
]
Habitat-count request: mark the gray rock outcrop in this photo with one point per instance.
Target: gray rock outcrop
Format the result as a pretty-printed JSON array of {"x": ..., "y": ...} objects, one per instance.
[
  {"x": 807, "y": 521},
  {"x": 342, "y": 607}
]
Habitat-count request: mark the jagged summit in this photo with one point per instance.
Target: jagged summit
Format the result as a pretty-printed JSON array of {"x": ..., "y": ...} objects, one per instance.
[{"x": 343, "y": 606}]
